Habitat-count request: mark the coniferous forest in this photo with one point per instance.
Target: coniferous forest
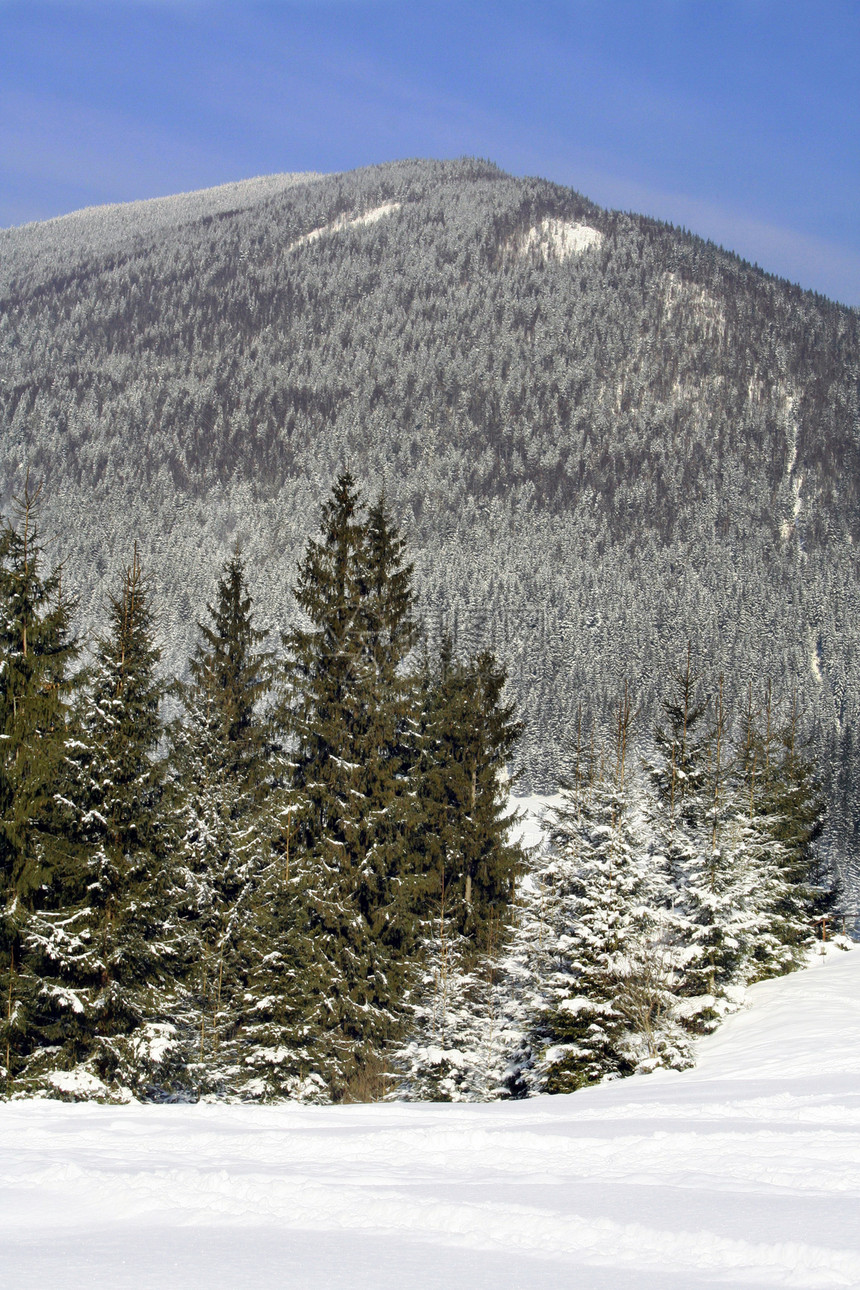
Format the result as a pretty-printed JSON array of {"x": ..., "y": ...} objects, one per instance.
[
  {"x": 603, "y": 436},
  {"x": 290, "y": 871}
]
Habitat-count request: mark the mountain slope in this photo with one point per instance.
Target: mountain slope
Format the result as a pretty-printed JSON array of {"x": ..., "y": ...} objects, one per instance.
[{"x": 604, "y": 436}]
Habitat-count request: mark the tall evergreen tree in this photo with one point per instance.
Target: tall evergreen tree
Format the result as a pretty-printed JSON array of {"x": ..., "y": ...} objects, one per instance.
[
  {"x": 717, "y": 884},
  {"x": 35, "y": 686},
  {"x": 345, "y": 719},
  {"x": 678, "y": 771},
  {"x": 800, "y": 808},
  {"x": 604, "y": 953},
  {"x": 784, "y": 816},
  {"x": 683, "y": 823},
  {"x": 230, "y": 674},
  {"x": 37, "y": 861},
  {"x": 457, "y": 1039},
  {"x": 323, "y": 679},
  {"x": 384, "y": 736},
  {"x": 468, "y": 737},
  {"x": 230, "y": 791},
  {"x": 116, "y": 952},
  {"x": 454, "y": 1049}
]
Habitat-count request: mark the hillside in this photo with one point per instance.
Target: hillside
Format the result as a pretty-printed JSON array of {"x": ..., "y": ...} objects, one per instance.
[
  {"x": 603, "y": 435},
  {"x": 742, "y": 1172}
]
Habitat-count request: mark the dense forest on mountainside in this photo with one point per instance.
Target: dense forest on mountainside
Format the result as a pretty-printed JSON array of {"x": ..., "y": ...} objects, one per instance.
[
  {"x": 603, "y": 436},
  {"x": 309, "y": 885}
]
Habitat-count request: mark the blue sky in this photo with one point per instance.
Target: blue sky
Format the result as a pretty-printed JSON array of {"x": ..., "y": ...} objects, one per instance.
[{"x": 739, "y": 120}]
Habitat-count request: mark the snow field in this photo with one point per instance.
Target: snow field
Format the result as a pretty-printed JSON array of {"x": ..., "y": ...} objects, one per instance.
[
  {"x": 559, "y": 239},
  {"x": 743, "y": 1172},
  {"x": 348, "y": 221}
]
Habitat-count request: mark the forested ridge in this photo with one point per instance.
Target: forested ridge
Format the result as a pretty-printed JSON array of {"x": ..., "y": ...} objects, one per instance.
[{"x": 603, "y": 436}]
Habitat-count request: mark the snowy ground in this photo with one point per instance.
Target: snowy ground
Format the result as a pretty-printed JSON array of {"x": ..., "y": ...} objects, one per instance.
[{"x": 743, "y": 1172}]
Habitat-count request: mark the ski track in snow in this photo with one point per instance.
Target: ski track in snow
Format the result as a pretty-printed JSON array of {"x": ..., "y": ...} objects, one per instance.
[{"x": 743, "y": 1172}]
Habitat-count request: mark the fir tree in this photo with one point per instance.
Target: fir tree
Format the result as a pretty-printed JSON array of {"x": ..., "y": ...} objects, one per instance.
[
  {"x": 468, "y": 736},
  {"x": 717, "y": 884},
  {"x": 783, "y": 821},
  {"x": 37, "y": 859},
  {"x": 35, "y": 686},
  {"x": 230, "y": 675},
  {"x": 342, "y": 718},
  {"x": 678, "y": 772},
  {"x": 682, "y": 824},
  {"x": 116, "y": 952},
  {"x": 384, "y": 736},
  {"x": 324, "y": 674},
  {"x": 607, "y": 966},
  {"x": 800, "y": 807},
  {"x": 455, "y": 1048},
  {"x": 300, "y": 1037},
  {"x": 227, "y": 770}
]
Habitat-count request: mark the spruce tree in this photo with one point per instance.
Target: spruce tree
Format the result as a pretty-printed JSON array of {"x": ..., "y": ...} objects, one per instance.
[
  {"x": 230, "y": 674},
  {"x": 603, "y": 947},
  {"x": 227, "y": 770},
  {"x": 680, "y": 824},
  {"x": 467, "y": 738},
  {"x": 800, "y": 806},
  {"x": 300, "y": 1037},
  {"x": 458, "y": 1032},
  {"x": 35, "y": 686},
  {"x": 38, "y": 862},
  {"x": 678, "y": 771},
  {"x": 717, "y": 892},
  {"x": 323, "y": 676},
  {"x": 342, "y": 719},
  {"x": 454, "y": 1047},
  {"x": 783, "y": 819},
  {"x": 384, "y": 743},
  {"x": 117, "y": 951}
]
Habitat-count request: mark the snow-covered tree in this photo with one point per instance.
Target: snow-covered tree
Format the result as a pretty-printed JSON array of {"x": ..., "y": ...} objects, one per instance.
[
  {"x": 455, "y": 1047},
  {"x": 229, "y": 778},
  {"x": 690, "y": 813},
  {"x": 39, "y": 865},
  {"x": 467, "y": 736},
  {"x": 113, "y": 954},
  {"x": 780, "y": 821},
  {"x": 610, "y": 969},
  {"x": 344, "y": 722}
]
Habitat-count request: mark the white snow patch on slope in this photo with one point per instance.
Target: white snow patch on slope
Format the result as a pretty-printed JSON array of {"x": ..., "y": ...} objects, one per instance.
[
  {"x": 348, "y": 221},
  {"x": 743, "y": 1172},
  {"x": 792, "y": 482},
  {"x": 791, "y": 497},
  {"x": 704, "y": 307},
  {"x": 815, "y": 666},
  {"x": 559, "y": 239}
]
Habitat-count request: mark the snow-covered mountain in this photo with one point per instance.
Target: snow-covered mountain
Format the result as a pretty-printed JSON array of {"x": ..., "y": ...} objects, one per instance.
[
  {"x": 742, "y": 1172},
  {"x": 603, "y": 435}
]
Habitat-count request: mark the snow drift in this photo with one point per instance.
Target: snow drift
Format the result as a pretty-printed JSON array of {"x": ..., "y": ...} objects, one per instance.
[{"x": 743, "y": 1172}]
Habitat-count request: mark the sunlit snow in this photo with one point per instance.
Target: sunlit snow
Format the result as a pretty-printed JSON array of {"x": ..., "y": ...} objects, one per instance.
[
  {"x": 348, "y": 221},
  {"x": 560, "y": 239},
  {"x": 743, "y": 1172},
  {"x": 707, "y": 310},
  {"x": 105, "y": 228}
]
